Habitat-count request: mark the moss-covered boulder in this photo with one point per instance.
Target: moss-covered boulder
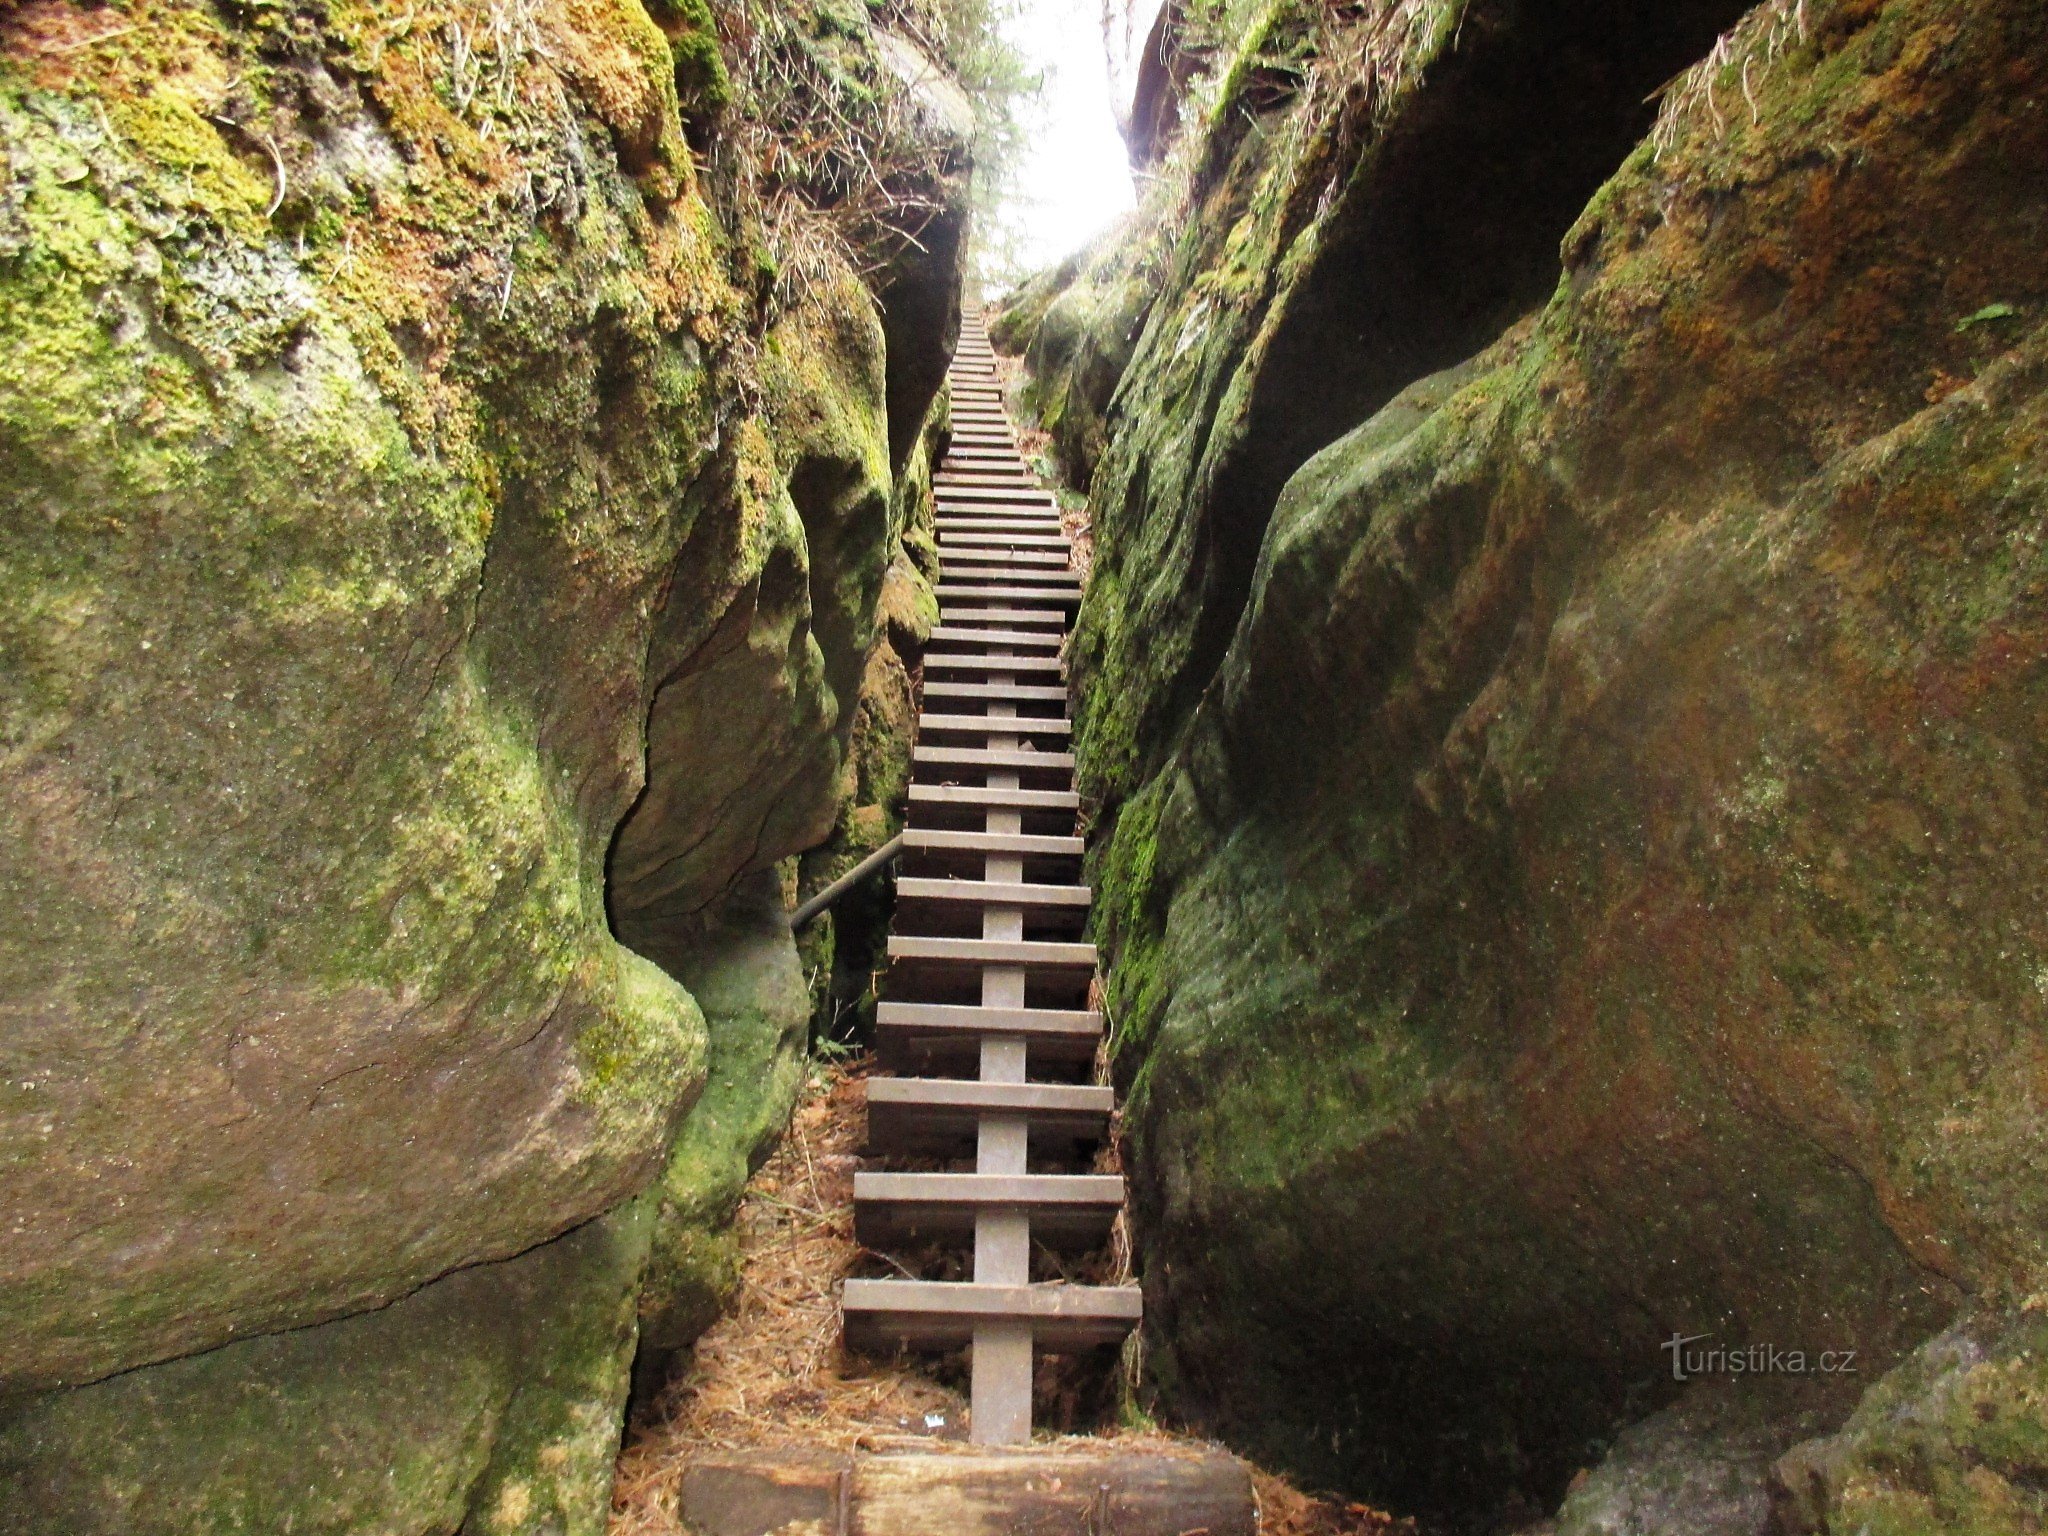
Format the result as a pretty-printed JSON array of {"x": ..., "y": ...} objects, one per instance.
[
  {"x": 350, "y": 411},
  {"x": 437, "y": 543},
  {"x": 1077, "y": 325},
  {"x": 488, "y": 1403},
  {"x": 740, "y": 965},
  {"x": 1954, "y": 1439},
  {"x": 1568, "y": 871}
]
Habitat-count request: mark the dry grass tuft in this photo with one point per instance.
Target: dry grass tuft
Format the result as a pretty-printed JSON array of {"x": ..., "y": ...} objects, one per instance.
[
  {"x": 1286, "y": 1511},
  {"x": 1748, "y": 49}
]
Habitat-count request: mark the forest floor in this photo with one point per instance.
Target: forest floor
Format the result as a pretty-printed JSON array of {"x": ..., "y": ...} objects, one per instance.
[{"x": 772, "y": 1372}]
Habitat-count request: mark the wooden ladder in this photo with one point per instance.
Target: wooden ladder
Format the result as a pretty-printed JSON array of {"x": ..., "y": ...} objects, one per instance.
[{"x": 987, "y": 991}]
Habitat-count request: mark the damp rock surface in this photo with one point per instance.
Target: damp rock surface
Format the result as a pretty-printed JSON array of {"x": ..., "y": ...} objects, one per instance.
[
  {"x": 1560, "y": 688},
  {"x": 444, "y": 543}
]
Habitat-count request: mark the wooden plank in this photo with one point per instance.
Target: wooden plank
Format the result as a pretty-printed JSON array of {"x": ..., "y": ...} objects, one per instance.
[
  {"x": 992, "y": 757},
  {"x": 1069, "y": 1212},
  {"x": 941, "y": 1314},
  {"x": 960, "y": 498},
  {"x": 1009, "y": 594},
  {"x": 920, "y": 839},
  {"x": 944, "y": 1491},
  {"x": 913, "y": 946},
  {"x": 998, "y": 692},
  {"x": 1052, "y": 1192},
  {"x": 943, "y": 1117},
  {"x": 970, "y": 661},
  {"x": 965, "y": 613},
  {"x": 969, "y": 558},
  {"x": 969, "y": 634},
  {"x": 981, "y": 795},
  {"x": 965, "y": 1018},
  {"x": 758, "y": 1493},
  {"x": 1027, "y": 1492},
  {"x": 966, "y": 539},
  {"x": 993, "y": 893},
  {"x": 996, "y": 725},
  {"x": 1083, "y": 1100}
]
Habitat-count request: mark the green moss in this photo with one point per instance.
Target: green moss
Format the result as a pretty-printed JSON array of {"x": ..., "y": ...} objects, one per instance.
[
  {"x": 489, "y": 1400},
  {"x": 703, "y": 84},
  {"x": 742, "y": 969},
  {"x": 1955, "y": 1439}
]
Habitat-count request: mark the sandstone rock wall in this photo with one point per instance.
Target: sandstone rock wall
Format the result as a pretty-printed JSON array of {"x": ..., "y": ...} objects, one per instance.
[
  {"x": 444, "y": 546},
  {"x": 1564, "y": 779}
]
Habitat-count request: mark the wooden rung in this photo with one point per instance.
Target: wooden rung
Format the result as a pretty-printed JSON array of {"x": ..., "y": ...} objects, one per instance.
[
  {"x": 933, "y": 840},
  {"x": 990, "y": 893},
  {"x": 962, "y": 1018},
  {"x": 1029, "y": 952},
  {"x": 992, "y": 757},
  {"x": 999, "y": 796},
  {"x": 1005, "y": 618},
  {"x": 1031, "y": 594},
  {"x": 938, "y": 1314},
  {"x": 965, "y": 634},
  {"x": 957, "y": 498},
  {"x": 969, "y": 661},
  {"x": 990, "y": 564},
  {"x": 977, "y": 538},
  {"x": 1073, "y": 1210},
  {"x": 926, "y": 1116},
  {"x": 997, "y": 725},
  {"x": 994, "y": 692}
]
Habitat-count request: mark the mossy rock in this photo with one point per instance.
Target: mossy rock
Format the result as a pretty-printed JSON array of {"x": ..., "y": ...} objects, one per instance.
[
  {"x": 1547, "y": 907},
  {"x": 1955, "y": 1438},
  {"x": 488, "y": 1402}
]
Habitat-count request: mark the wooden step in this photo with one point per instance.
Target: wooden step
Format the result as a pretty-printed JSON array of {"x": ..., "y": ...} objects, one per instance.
[
  {"x": 1011, "y": 618},
  {"x": 1041, "y": 594},
  {"x": 939, "y": 1314},
  {"x": 1047, "y": 527},
  {"x": 990, "y": 893},
  {"x": 928, "y": 907},
  {"x": 1024, "y": 952},
  {"x": 1022, "y": 557},
  {"x": 1067, "y": 1210},
  {"x": 955, "y": 497},
  {"x": 997, "y": 797},
  {"x": 996, "y": 725},
  {"x": 1057, "y": 1034},
  {"x": 970, "y": 661},
  {"x": 1022, "y": 844},
  {"x": 1038, "y": 570},
  {"x": 967, "y": 634},
  {"x": 988, "y": 564},
  {"x": 997, "y": 693},
  {"x": 990, "y": 759},
  {"x": 951, "y": 540},
  {"x": 1078, "y": 1488},
  {"x": 940, "y": 1116}
]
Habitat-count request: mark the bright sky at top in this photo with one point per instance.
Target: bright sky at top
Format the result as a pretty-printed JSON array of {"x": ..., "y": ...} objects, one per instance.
[{"x": 1074, "y": 178}]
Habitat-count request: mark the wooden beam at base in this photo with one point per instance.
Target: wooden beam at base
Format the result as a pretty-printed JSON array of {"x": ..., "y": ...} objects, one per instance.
[{"x": 1066, "y": 1492}]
